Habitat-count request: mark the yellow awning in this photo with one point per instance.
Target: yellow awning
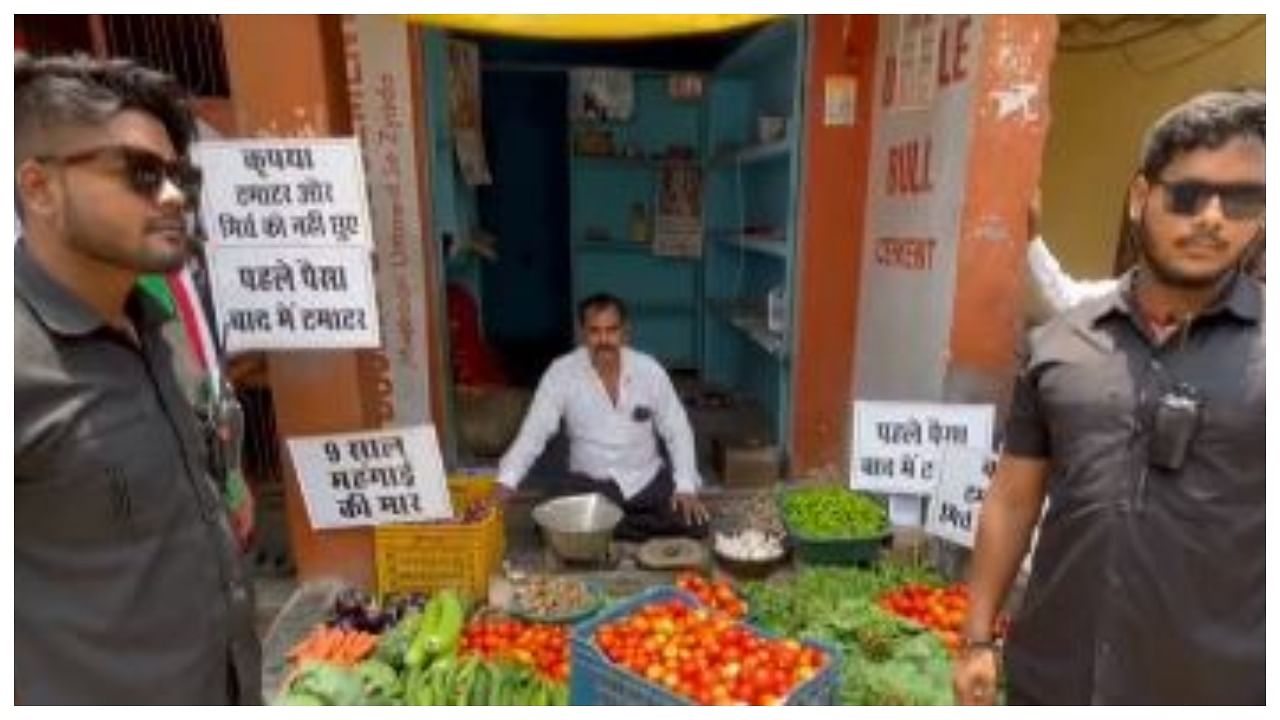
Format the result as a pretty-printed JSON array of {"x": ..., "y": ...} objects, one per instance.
[{"x": 591, "y": 27}]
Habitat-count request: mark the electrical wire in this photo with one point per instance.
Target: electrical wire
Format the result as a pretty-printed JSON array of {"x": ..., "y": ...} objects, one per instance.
[
  {"x": 1088, "y": 34},
  {"x": 1153, "y": 28},
  {"x": 1205, "y": 46}
]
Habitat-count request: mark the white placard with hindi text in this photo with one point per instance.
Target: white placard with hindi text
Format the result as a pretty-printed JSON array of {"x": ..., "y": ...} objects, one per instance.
[
  {"x": 294, "y": 298},
  {"x": 284, "y": 191},
  {"x": 376, "y": 477},
  {"x": 954, "y": 509},
  {"x": 896, "y": 445}
]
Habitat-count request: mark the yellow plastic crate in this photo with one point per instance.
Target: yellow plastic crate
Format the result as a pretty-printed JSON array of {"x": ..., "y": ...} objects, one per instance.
[{"x": 429, "y": 557}]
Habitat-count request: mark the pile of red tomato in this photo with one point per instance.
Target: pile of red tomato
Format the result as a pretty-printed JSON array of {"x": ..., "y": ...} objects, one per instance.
[
  {"x": 941, "y": 609},
  {"x": 716, "y": 594},
  {"x": 545, "y": 648},
  {"x": 706, "y": 657}
]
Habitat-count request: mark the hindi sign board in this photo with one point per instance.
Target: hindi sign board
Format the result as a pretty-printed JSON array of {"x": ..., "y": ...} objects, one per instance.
[
  {"x": 289, "y": 298},
  {"x": 896, "y": 445},
  {"x": 372, "y": 478},
  {"x": 964, "y": 476},
  {"x": 289, "y": 243},
  {"x": 283, "y": 191}
]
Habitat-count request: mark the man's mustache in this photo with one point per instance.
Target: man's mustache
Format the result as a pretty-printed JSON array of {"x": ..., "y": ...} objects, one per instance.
[
  {"x": 176, "y": 225},
  {"x": 1210, "y": 240}
]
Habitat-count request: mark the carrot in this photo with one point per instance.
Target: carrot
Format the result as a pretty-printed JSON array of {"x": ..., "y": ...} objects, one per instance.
[
  {"x": 344, "y": 647},
  {"x": 340, "y": 652},
  {"x": 306, "y": 647},
  {"x": 323, "y": 639},
  {"x": 365, "y": 645},
  {"x": 315, "y": 646},
  {"x": 357, "y": 646}
]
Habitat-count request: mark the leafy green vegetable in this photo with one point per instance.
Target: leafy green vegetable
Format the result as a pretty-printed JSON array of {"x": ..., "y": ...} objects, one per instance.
[
  {"x": 814, "y": 592},
  {"x": 381, "y": 684},
  {"x": 887, "y": 660},
  {"x": 328, "y": 683},
  {"x": 917, "y": 673},
  {"x": 294, "y": 697},
  {"x": 394, "y": 643}
]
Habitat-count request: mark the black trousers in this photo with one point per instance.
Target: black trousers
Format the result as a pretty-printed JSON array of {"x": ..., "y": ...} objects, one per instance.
[
  {"x": 1014, "y": 696},
  {"x": 647, "y": 515}
]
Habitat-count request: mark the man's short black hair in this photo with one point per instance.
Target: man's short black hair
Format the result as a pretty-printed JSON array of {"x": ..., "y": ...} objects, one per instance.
[
  {"x": 601, "y": 301},
  {"x": 1209, "y": 121},
  {"x": 80, "y": 91}
]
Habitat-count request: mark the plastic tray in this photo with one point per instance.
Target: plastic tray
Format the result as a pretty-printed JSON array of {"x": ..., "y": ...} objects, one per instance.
[{"x": 595, "y": 680}]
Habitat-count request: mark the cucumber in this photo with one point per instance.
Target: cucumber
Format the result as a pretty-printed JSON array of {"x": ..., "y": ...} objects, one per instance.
[
  {"x": 478, "y": 692},
  {"x": 445, "y": 633},
  {"x": 462, "y": 681},
  {"x": 500, "y": 689},
  {"x": 419, "y": 648},
  {"x": 443, "y": 674}
]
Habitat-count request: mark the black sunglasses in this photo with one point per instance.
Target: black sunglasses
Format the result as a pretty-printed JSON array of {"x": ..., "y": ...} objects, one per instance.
[
  {"x": 1239, "y": 201},
  {"x": 144, "y": 171}
]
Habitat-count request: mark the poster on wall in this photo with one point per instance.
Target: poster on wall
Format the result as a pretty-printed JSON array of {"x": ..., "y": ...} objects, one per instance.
[
  {"x": 464, "y": 112},
  {"x": 677, "y": 228},
  {"x": 601, "y": 95},
  {"x": 840, "y": 100}
]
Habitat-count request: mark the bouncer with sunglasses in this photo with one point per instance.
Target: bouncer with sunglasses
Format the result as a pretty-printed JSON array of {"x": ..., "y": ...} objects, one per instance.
[
  {"x": 1136, "y": 441},
  {"x": 129, "y": 587}
]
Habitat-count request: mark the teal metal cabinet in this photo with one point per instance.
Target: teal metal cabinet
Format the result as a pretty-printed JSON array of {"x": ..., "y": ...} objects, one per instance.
[
  {"x": 754, "y": 124},
  {"x": 614, "y": 175}
]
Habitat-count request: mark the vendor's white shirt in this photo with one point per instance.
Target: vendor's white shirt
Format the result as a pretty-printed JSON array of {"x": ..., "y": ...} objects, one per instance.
[
  {"x": 1052, "y": 289},
  {"x": 607, "y": 441}
]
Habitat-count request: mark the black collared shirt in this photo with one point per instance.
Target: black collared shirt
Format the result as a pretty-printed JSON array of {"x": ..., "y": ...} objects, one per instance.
[
  {"x": 128, "y": 585},
  {"x": 1148, "y": 585}
]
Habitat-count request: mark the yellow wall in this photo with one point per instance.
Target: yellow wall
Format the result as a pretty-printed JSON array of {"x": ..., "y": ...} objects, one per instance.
[{"x": 1102, "y": 104}]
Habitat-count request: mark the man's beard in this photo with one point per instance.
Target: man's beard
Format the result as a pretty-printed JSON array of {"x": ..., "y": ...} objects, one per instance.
[
  {"x": 1166, "y": 273},
  {"x": 605, "y": 352},
  {"x": 144, "y": 260}
]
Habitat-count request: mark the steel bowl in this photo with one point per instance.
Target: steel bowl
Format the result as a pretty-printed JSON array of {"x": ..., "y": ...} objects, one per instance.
[
  {"x": 579, "y": 527},
  {"x": 743, "y": 569}
]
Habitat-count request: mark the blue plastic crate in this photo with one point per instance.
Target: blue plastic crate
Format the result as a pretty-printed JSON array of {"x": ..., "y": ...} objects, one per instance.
[{"x": 594, "y": 680}]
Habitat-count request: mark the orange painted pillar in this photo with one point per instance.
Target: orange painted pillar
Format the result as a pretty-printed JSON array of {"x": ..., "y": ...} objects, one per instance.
[
  {"x": 960, "y": 123},
  {"x": 1010, "y": 124},
  {"x": 287, "y": 79},
  {"x": 833, "y": 192}
]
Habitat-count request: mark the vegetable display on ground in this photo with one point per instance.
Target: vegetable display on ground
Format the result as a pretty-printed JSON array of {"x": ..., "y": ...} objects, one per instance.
[
  {"x": 706, "y": 656},
  {"x": 828, "y": 512}
]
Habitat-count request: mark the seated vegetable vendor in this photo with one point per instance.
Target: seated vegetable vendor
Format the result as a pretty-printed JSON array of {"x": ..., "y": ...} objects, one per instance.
[{"x": 614, "y": 402}]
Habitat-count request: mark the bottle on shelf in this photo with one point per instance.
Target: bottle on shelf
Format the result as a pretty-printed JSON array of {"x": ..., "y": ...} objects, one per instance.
[
  {"x": 639, "y": 224},
  {"x": 776, "y": 315}
]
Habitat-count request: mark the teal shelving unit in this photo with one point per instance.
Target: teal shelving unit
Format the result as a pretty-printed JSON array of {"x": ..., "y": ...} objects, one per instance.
[
  {"x": 664, "y": 294},
  {"x": 754, "y": 120}
]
